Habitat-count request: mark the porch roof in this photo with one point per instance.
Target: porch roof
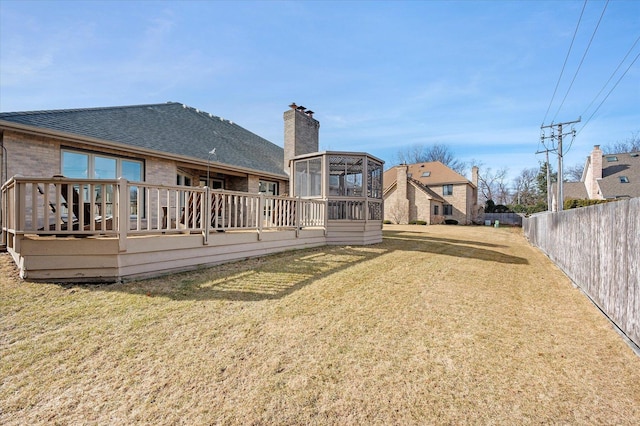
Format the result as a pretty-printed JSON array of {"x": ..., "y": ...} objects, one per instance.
[{"x": 171, "y": 128}]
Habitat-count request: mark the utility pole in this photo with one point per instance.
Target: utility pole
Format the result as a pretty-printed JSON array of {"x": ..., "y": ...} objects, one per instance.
[
  {"x": 560, "y": 196},
  {"x": 546, "y": 151},
  {"x": 549, "y": 195}
]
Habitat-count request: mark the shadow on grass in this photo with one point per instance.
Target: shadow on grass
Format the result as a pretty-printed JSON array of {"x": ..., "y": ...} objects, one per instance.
[
  {"x": 269, "y": 277},
  {"x": 413, "y": 236},
  {"x": 279, "y": 275},
  {"x": 450, "y": 247}
]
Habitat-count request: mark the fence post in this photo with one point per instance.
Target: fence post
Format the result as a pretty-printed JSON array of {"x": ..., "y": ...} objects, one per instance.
[{"x": 122, "y": 198}]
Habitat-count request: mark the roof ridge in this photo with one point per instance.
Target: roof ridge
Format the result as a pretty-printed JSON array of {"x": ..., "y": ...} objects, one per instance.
[{"x": 104, "y": 108}]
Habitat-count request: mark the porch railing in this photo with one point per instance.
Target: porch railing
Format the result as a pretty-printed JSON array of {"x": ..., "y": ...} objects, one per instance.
[
  {"x": 71, "y": 207},
  {"x": 341, "y": 208}
]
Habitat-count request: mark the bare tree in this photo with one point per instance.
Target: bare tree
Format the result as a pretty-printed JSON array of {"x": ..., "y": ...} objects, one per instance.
[
  {"x": 631, "y": 144},
  {"x": 493, "y": 186},
  {"x": 573, "y": 173},
  {"x": 398, "y": 213},
  {"x": 438, "y": 152},
  {"x": 526, "y": 187}
]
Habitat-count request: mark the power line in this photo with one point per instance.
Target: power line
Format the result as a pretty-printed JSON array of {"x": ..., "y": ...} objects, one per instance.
[
  {"x": 611, "y": 77},
  {"x": 565, "y": 61},
  {"x": 581, "y": 60},
  {"x": 612, "y": 89}
]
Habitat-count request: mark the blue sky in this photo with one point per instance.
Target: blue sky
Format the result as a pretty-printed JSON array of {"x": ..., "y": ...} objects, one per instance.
[{"x": 381, "y": 76}]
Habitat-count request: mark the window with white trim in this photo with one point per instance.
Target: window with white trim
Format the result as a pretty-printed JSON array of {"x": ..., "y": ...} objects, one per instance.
[
  {"x": 89, "y": 165},
  {"x": 267, "y": 187}
]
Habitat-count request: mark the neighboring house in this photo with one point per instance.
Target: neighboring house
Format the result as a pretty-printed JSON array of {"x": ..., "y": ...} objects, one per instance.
[
  {"x": 429, "y": 192},
  {"x": 605, "y": 177}
]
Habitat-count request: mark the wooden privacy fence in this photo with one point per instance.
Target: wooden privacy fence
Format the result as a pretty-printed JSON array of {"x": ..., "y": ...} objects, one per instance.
[{"x": 598, "y": 247}]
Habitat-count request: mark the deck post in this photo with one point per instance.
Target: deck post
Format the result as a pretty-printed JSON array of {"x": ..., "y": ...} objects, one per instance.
[
  {"x": 326, "y": 216},
  {"x": 207, "y": 216},
  {"x": 3, "y": 216},
  {"x": 297, "y": 205},
  {"x": 261, "y": 213},
  {"x": 122, "y": 198}
]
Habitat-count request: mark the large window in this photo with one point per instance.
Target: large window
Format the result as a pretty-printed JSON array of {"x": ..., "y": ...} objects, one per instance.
[
  {"x": 447, "y": 209},
  {"x": 97, "y": 166},
  {"x": 308, "y": 178},
  {"x": 447, "y": 189}
]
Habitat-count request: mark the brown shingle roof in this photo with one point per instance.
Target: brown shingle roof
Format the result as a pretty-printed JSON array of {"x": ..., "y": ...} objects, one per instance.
[
  {"x": 626, "y": 165},
  {"x": 574, "y": 190},
  {"x": 438, "y": 174}
]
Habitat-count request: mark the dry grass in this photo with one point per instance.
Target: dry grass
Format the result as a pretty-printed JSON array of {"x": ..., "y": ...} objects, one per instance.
[{"x": 436, "y": 325}]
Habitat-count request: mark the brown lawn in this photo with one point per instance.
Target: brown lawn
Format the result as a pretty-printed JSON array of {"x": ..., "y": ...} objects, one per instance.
[{"x": 436, "y": 325}]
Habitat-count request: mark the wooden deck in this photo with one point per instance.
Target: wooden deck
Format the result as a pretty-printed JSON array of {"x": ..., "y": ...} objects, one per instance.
[{"x": 69, "y": 230}]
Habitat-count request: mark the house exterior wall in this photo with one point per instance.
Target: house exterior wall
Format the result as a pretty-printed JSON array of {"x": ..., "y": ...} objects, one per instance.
[
  {"x": 31, "y": 155},
  {"x": 421, "y": 205},
  {"x": 460, "y": 200},
  {"x": 401, "y": 203},
  {"x": 393, "y": 208},
  {"x": 472, "y": 205},
  {"x": 594, "y": 172},
  {"x": 160, "y": 172},
  {"x": 253, "y": 183}
]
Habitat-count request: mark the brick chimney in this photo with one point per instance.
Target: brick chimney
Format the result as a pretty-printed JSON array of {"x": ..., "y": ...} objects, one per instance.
[
  {"x": 594, "y": 173},
  {"x": 301, "y": 133},
  {"x": 401, "y": 207},
  {"x": 474, "y": 175}
]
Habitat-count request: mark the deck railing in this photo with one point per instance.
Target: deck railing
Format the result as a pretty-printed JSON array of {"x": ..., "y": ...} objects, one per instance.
[{"x": 71, "y": 207}]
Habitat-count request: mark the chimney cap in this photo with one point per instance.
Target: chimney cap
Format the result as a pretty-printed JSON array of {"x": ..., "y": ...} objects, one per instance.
[
  {"x": 301, "y": 108},
  {"x": 293, "y": 105}
]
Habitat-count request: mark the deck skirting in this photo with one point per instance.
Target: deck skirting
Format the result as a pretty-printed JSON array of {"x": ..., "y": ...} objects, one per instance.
[{"x": 100, "y": 259}]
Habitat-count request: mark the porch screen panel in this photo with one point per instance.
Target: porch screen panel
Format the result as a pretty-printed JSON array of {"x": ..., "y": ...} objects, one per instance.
[
  {"x": 315, "y": 177},
  {"x": 345, "y": 176},
  {"x": 308, "y": 178},
  {"x": 301, "y": 179},
  {"x": 374, "y": 179}
]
